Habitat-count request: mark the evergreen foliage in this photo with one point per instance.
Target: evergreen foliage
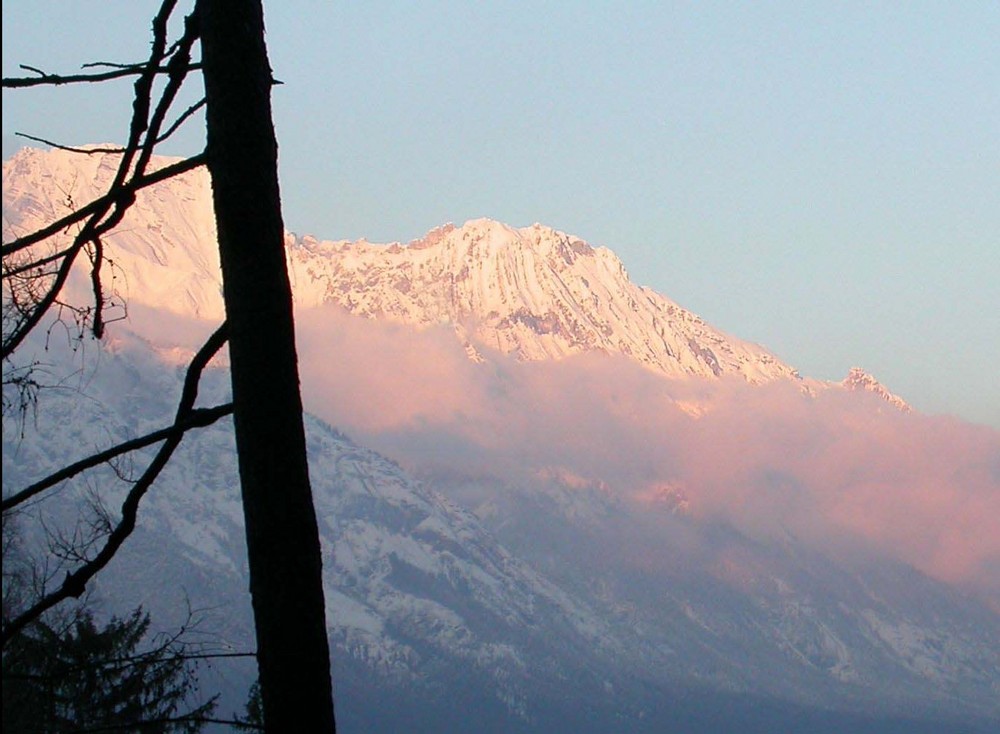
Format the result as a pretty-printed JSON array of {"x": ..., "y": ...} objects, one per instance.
[{"x": 87, "y": 677}]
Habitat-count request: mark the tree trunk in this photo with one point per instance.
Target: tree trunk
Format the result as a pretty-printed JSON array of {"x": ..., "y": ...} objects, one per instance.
[{"x": 282, "y": 538}]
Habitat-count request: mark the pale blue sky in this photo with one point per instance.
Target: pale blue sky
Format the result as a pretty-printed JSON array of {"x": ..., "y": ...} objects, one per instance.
[{"x": 822, "y": 178}]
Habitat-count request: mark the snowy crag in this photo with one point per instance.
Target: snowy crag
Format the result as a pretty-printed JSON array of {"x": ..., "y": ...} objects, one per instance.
[
  {"x": 533, "y": 292},
  {"x": 537, "y": 599}
]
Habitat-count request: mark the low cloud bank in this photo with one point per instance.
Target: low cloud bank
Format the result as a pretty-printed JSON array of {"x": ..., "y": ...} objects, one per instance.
[{"x": 840, "y": 471}]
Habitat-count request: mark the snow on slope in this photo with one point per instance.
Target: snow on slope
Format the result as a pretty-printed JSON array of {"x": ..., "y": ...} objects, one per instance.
[
  {"x": 416, "y": 588},
  {"x": 534, "y": 292},
  {"x": 423, "y": 597},
  {"x": 163, "y": 254},
  {"x": 858, "y": 379}
]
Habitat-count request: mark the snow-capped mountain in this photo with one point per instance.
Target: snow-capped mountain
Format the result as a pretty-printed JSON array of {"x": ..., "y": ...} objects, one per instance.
[
  {"x": 533, "y": 292},
  {"x": 160, "y": 255},
  {"x": 605, "y": 561}
]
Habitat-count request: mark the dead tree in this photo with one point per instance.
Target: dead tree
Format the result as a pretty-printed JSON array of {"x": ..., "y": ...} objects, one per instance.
[{"x": 282, "y": 538}]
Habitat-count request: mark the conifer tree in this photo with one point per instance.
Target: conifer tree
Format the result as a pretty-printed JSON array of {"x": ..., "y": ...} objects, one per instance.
[{"x": 85, "y": 676}]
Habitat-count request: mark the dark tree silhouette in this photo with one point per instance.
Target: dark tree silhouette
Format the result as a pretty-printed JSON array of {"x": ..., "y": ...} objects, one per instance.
[
  {"x": 241, "y": 156},
  {"x": 282, "y": 538},
  {"x": 82, "y": 676}
]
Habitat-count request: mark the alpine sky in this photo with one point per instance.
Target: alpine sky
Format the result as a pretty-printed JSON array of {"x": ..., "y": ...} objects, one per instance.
[{"x": 821, "y": 180}]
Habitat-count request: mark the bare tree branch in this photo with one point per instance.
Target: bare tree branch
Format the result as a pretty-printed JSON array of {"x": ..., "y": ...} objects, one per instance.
[
  {"x": 96, "y": 261},
  {"x": 181, "y": 120},
  {"x": 45, "y": 79},
  {"x": 120, "y": 197},
  {"x": 197, "y": 418},
  {"x": 75, "y": 583},
  {"x": 128, "y": 189},
  {"x": 145, "y": 125},
  {"x": 10, "y": 271},
  {"x": 178, "y": 70},
  {"x": 12, "y": 341},
  {"x": 70, "y": 148}
]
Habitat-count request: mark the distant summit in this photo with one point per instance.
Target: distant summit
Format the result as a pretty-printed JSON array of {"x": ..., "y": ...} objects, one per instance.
[
  {"x": 858, "y": 379},
  {"x": 533, "y": 292}
]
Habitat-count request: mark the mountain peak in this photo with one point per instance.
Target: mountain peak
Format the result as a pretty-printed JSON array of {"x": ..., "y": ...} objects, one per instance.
[
  {"x": 486, "y": 225},
  {"x": 858, "y": 379},
  {"x": 534, "y": 292},
  {"x": 492, "y": 237}
]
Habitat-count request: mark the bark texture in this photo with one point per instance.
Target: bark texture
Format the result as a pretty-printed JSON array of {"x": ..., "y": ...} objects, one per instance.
[{"x": 282, "y": 537}]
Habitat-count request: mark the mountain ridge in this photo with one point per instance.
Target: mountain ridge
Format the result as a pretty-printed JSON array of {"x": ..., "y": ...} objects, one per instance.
[{"x": 534, "y": 292}]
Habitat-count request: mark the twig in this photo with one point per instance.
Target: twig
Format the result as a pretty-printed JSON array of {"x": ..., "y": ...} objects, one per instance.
[{"x": 70, "y": 148}]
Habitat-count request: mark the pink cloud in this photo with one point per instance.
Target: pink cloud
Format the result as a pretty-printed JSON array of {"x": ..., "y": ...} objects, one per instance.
[
  {"x": 838, "y": 471},
  {"x": 842, "y": 472}
]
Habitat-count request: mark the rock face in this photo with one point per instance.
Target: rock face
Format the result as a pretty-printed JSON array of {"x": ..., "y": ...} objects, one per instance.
[{"x": 533, "y": 292}]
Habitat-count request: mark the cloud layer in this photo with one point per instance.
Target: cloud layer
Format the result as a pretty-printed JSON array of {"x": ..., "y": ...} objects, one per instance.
[
  {"x": 843, "y": 473},
  {"x": 840, "y": 471}
]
